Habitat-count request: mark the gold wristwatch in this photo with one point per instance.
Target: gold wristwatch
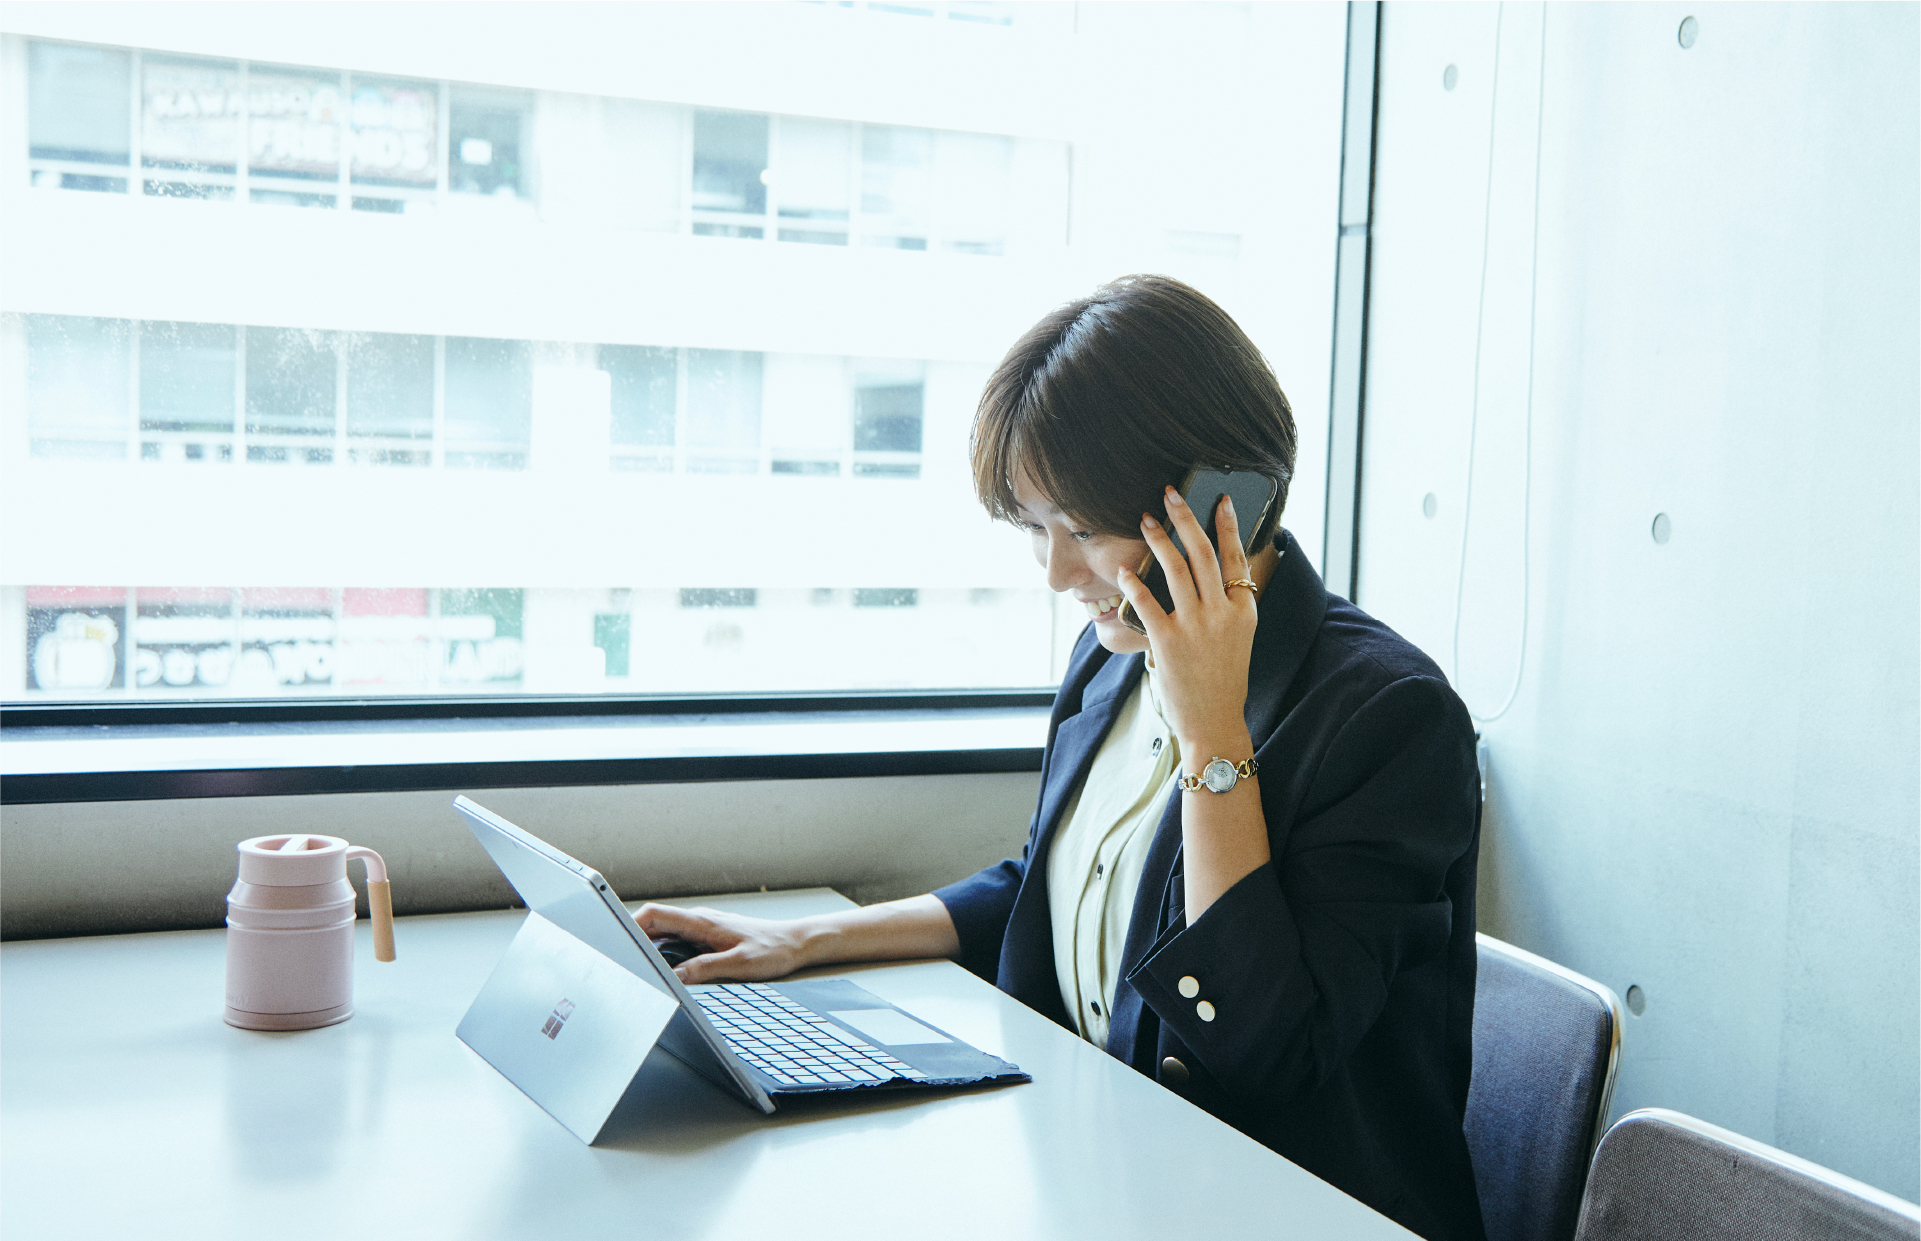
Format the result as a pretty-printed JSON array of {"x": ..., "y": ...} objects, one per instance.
[{"x": 1219, "y": 776}]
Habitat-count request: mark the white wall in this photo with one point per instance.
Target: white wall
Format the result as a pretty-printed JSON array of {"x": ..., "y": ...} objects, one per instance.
[
  {"x": 1706, "y": 785},
  {"x": 99, "y": 867}
]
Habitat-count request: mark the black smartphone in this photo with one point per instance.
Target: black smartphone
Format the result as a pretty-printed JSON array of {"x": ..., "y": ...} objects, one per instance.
[{"x": 1253, "y": 494}]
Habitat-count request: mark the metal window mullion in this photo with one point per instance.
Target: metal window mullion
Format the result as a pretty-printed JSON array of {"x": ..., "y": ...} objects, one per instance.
[{"x": 1340, "y": 558}]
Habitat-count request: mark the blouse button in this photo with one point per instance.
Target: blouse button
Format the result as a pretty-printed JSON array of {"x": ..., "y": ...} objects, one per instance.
[
  {"x": 1100, "y": 868},
  {"x": 1157, "y": 747},
  {"x": 1189, "y": 987},
  {"x": 1204, "y": 1011}
]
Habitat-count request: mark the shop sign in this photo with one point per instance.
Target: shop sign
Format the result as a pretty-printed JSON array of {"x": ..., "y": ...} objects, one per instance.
[
  {"x": 190, "y": 112},
  {"x": 394, "y": 133},
  {"x": 78, "y": 651},
  {"x": 294, "y": 122}
]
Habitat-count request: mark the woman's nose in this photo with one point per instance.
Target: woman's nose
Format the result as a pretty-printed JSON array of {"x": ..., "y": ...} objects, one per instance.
[{"x": 1065, "y": 567}]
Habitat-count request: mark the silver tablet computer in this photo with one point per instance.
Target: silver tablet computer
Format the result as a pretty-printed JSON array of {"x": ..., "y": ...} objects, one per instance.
[{"x": 582, "y": 997}]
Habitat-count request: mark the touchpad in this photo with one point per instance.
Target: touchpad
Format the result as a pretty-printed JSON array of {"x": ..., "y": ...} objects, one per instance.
[{"x": 889, "y": 1026}]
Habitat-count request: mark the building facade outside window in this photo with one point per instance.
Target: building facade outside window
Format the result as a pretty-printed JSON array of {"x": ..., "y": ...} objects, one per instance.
[{"x": 596, "y": 380}]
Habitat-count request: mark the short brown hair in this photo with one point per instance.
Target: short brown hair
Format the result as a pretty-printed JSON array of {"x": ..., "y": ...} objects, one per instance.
[{"x": 1111, "y": 398}]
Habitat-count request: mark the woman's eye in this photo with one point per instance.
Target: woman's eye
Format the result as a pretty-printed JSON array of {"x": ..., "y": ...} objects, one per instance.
[{"x": 1083, "y": 535}]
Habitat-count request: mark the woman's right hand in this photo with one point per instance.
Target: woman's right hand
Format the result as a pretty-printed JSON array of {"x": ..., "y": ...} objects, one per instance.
[{"x": 739, "y": 948}]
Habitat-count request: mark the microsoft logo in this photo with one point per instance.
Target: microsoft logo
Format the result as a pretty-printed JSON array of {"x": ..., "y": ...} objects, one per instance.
[{"x": 558, "y": 1018}]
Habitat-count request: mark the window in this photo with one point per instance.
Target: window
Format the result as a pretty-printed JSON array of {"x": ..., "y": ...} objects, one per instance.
[
  {"x": 896, "y": 186},
  {"x": 188, "y": 380},
  {"x": 643, "y": 382},
  {"x": 723, "y": 411},
  {"x": 294, "y": 136},
  {"x": 489, "y": 402},
  {"x": 489, "y": 141},
  {"x": 390, "y": 383},
  {"x": 441, "y": 372},
  {"x": 191, "y": 114},
  {"x": 288, "y": 136},
  {"x": 888, "y": 402},
  {"x": 293, "y": 379},
  {"x": 814, "y": 172},
  {"x": 395, "y": 147},
  {"x": 730, "y": 174},
  {"x": 77, "y": 376},
  {"x": 79, "y": 115}
]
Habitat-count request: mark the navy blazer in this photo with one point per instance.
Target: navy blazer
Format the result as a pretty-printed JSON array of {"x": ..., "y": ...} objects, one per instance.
[{"x": 1342, "y": 971}]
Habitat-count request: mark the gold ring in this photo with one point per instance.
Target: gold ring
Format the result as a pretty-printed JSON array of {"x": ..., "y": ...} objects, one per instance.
[{"x": 1241, "y": 581}]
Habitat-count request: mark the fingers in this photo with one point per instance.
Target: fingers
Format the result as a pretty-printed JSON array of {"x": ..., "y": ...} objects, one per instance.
[
  {"x": 1146, "y": 606},
  {"x": 1180, "y": 579},
  {"x": 1205, "y": 577},
  {"x": 698, "y": 925},
  {"x": 663, "y": 919},
  {"x": 1228, "y": 525},
  {"x": 716, "y": 966}
]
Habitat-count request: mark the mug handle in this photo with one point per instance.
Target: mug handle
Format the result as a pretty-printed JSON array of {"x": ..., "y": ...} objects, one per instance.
[{"x": 380, "y": 901}]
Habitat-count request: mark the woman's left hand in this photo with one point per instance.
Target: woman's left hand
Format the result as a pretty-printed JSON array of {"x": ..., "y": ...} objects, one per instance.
[{"x": 1201, "y": 649}]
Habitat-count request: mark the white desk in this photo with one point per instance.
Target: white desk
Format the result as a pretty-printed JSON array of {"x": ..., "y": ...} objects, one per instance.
[{"x": 128, "y": 1110}]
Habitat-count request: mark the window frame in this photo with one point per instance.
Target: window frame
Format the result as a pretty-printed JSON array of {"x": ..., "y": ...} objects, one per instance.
[{"x": 79, "y": 723}]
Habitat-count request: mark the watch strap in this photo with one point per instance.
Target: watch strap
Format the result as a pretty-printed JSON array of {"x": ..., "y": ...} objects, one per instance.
[{"x": 1242, "y": 771}]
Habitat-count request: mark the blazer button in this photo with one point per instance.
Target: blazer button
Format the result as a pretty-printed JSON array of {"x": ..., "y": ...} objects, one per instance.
[
  {"x": 1204, "y": 1011},
  {"x": 1189, "y": 987},
  {"x": 1173, "y": 1072}
]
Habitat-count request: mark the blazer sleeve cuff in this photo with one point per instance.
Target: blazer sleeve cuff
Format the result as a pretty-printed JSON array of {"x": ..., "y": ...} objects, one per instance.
[
  {"x": 980, "y": 906},
  {"x": 1237, "y": 960}
]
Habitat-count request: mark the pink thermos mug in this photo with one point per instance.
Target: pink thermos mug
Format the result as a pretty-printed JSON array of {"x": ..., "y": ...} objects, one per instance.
[{"x": 290, "y": 931}]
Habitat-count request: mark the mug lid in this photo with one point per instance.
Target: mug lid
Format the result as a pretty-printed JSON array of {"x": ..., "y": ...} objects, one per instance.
[{"x": 292, "y": 859}]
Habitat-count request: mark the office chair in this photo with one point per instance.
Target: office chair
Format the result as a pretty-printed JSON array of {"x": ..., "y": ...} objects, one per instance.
[
  {"x": 1661, "y": 1175},
  {"x": 1546, "y": 1042}
]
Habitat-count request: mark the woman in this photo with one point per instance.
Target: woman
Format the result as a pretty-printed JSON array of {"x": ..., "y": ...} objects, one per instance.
[{"x": 1290, "y": 945}]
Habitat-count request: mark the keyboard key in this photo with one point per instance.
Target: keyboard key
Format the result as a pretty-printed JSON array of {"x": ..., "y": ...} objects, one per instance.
[{"x": 794, "y": 1045}]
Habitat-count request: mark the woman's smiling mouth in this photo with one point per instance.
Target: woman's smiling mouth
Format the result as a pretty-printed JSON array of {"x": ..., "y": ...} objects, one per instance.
[{"x": 1097, "y": 608}]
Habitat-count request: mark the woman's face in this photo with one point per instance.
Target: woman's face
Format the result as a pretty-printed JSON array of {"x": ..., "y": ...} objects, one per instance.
[{"x": 1081, "y": 563}]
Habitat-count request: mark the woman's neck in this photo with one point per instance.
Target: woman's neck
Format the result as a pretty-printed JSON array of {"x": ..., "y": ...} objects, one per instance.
[{"x": 1260, "y": 567}]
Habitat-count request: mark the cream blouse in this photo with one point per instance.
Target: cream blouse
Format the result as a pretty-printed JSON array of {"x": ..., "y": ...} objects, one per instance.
[{"x": 1094, "y": 867}]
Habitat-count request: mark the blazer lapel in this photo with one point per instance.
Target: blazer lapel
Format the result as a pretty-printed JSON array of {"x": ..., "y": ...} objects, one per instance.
[
  {"x": 1027, "y": 953},
  {"x": 1291, "y": 610}
]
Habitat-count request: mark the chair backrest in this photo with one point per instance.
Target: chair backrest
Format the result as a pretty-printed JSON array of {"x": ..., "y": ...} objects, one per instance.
[
  {"x": 1661, "y": 1175},
  {"x": 1546, "y": 1042}
]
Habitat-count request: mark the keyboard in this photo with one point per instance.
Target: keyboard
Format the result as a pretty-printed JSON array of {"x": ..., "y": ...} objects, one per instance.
[{"x": 795, "y": 1046}]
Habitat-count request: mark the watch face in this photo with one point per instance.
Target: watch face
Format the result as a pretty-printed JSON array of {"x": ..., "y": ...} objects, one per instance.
[{"x": 1219, "y": 775}]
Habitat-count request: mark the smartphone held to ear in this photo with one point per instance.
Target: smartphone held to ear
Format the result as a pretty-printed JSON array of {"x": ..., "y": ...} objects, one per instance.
[{"x": 1253, "y": 494}]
